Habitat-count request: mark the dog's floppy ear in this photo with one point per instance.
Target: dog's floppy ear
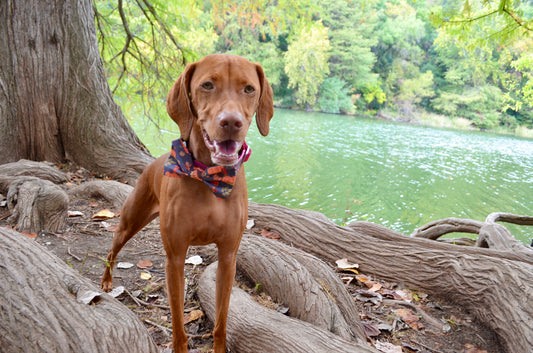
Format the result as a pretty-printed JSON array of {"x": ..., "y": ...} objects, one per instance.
[
  {"x": 179, "y": 105},
  {"x": 265, "y": 109}
]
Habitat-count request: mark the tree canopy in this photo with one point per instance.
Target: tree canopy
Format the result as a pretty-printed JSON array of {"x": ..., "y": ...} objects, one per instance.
[{"x": 462, "y": 59}]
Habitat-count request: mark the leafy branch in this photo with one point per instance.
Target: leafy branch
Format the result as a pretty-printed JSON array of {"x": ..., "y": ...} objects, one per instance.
[{"x": 512, "y": 17}]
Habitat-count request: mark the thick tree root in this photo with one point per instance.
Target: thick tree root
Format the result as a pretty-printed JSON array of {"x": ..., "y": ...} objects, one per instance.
[
  {"x": 495, "y": 285},
  {"x": 110, "y": 190},
  {"x": 36, "y": 205},
  {"x": 254, "y": 328},
  {"x": 45, "y": 306},
  {"x": 302, "y": 282}
]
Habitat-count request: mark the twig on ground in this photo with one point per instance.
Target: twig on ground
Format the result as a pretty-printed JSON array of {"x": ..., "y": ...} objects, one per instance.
[
  {"x": 141, "y": 302},
  {"x": 73, "y": 256},
  {"x": 163, "y": 329}
]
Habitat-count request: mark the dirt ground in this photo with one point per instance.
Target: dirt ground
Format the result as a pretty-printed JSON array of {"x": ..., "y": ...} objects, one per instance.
[{"x": 396, "y": 319}]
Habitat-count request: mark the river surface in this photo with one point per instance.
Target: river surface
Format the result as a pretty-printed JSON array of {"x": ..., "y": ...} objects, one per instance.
[{"x": 401, "y": 176}]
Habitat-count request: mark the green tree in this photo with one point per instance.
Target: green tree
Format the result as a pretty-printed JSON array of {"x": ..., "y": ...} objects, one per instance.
[
  {"x": 306, "y": 62},
  {"x": 492, "y": 44},
  {"x": 335, "y": 96},
  {"x": 258, "y": 30},
  {"x": 401, "y": 52},
  {"x": 351, "y": 27}
]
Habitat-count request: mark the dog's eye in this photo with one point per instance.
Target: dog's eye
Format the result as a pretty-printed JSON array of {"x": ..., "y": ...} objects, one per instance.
[
  {"x": 249, "y": 89},
  {"x": 208, "y": 86}
]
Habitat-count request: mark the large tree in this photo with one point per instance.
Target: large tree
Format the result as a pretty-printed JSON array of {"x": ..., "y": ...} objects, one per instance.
[{"x": 55, "y": 102}]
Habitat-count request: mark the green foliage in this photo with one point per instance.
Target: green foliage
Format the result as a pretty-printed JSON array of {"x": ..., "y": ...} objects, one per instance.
[
  {"x": 258, "y": 30},
  {"x": 306, "y": 62},
  {"x": 505, "y": 20},
  {"x": 351, "y": 25},
  {"x": 470, "y": 58},
  {"x": 144, "y": 48},
  {"x": 335, "y": 97},
  {"x": 482, "y": 105}
]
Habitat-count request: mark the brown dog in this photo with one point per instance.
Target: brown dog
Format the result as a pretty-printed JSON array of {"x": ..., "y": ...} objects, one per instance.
[{"x": 213, "y": 103}]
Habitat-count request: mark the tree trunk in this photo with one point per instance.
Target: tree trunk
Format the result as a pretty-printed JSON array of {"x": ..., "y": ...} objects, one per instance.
[
  {"x": 254, "y": 328},
  {"x": 493, "y": 284},
  {"x": 55, "y": 102},
  {"x": 42, "y": 306}
]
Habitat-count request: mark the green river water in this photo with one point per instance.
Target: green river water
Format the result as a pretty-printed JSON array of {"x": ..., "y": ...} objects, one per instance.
[{"x": 401, "y": 176}]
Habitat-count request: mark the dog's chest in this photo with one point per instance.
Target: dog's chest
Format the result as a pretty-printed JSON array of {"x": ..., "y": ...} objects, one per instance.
[{"x": 203, "y": 219}]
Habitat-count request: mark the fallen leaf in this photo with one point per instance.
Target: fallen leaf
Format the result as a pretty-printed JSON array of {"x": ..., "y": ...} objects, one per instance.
[
  {"x": 375, "y": 286},
  {"x": 367, "y": 296},
  {"x": 117, "y": 291},
  {"x": 270, "y": 234},
  {"x": 409, "y": 318},
  {"x": 144, "y": 264},
  {"x": 30, "y": 235},
  {"x": 88, "y": 297},
  {"x": 104, "y": 214},
  {"x": 391, "y": 294},
  {"x": 250, "y": 224},
  {"x": 362, "y": 278},
  {"x": 343, "y": 264},
  {"x": 124, "y": 265},
  {"x": 75, "y": 214},
  {"x": 353, "y": 270},
  {"x": 194, "y": 260},
  {"x": 347, "y": 279},
  {"x": 406, "y": 294},
  {"x": 145, "y": 276},
  {"x": 193, "y": 316},
  {"x": 385, "y": 327}
]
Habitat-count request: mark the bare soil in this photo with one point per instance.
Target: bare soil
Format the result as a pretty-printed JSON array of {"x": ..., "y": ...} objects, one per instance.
[{"x": 391, "y": 314}]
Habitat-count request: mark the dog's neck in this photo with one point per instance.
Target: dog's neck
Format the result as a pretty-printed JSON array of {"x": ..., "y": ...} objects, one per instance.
[{"x": 197, "y": 147}]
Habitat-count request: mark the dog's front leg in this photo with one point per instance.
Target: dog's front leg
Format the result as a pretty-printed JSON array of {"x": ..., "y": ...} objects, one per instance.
[
  {"x": 224, "y": 284},
  {"x": 175, "y": 273}
]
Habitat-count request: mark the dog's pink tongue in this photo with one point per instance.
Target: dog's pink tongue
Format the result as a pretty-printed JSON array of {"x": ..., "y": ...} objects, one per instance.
[{"x": 227, "y": 147}]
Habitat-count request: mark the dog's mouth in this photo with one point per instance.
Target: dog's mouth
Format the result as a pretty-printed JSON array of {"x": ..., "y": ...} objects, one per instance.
[{"x": 223, "y": 152}]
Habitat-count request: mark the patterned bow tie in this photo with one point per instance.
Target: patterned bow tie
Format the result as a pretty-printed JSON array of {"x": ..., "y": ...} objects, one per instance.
[{"x": 220, "y": 179}]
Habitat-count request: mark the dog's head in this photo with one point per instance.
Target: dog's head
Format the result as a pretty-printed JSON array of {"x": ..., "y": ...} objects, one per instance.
[{"x": 217, "y": 98}]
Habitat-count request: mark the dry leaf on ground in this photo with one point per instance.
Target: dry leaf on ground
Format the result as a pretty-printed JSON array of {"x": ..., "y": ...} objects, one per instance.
[
  {"x": 143, "y": 264},
  {"x": 193, "y": 316},
  {"x": 104, "y": 214}
]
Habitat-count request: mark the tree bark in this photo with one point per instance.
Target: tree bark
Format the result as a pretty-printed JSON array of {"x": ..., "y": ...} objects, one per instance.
[
  {"x": 112, "y": 191},
  {"x": 491, "y": 234},
  {"x": 55, "y": 102},
  {"x": 41, "y": 306},
  {"x": 35, "y": 169},
  {"x": 254, "y": 328},
  {"x": 302, "y": 282},
  {"x": 35, "y": 204},
  {"x": 493, "y": 284}
]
